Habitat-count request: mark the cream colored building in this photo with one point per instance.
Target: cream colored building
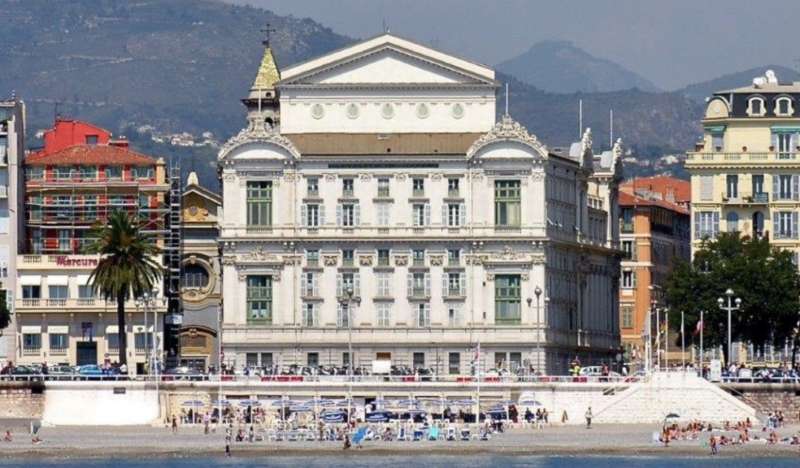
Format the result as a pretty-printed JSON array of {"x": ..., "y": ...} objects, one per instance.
[
  {"x": 746, "y": 171},
  {"x": 381, "y": 169}
]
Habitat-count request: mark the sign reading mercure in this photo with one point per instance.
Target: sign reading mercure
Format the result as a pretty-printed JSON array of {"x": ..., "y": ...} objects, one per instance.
[{"x": 65, "y": 260}]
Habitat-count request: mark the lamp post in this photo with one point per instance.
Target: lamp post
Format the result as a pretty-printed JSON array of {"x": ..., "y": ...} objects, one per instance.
[
  {"x": 148, "y": 302},
  {"x": 538, "y": 292},
  {"x": 729, "y": 307},
  {"x": 348, "y": 292}
]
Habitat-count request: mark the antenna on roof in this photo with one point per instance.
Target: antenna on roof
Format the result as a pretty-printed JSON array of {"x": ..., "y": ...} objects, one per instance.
[
  {"x": 506, "y": 99},
  {"x": 580, "y": 118},
  {"x": 267, "y": 32},
  {"x": 56, "y": 114},
  {"x": 385, "y": 27},
  {"x": 611, "y": 128}
]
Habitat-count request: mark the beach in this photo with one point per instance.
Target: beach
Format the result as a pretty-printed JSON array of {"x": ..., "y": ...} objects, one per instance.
[{"x": 130, "y": 441}]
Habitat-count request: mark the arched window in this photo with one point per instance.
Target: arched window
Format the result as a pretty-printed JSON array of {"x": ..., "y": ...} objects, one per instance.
[
  {"x": 195, "y": 276},
  {"x": 758, "y": 224},
  {"x": 732, "y": 221},
  {"x": 784, "y": 106},
  {"x": 755, "y": 107}
]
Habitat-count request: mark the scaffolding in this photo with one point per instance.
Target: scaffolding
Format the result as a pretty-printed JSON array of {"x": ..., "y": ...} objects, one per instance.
[{"x": 173, "y": 255}]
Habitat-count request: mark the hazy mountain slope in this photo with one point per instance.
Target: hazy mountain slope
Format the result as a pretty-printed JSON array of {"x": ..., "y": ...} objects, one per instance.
[
  {"x": 561, "y": 67},
  {"x": 702, "y": 90}
]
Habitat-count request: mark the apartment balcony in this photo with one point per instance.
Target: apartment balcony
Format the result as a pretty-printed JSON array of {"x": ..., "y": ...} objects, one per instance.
[
  {"x": 741, "y": 159},
  {"x": 73, "y": 305},
  {"x": 746, "y": 199}
]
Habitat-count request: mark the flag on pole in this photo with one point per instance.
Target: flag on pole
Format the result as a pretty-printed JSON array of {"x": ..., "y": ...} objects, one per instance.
[{"x": 699, "y": 327}]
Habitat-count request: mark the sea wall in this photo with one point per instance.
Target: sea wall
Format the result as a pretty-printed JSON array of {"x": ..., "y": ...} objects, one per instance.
[
  {"x": 768, "y": 397},
  {"x": 100, "y": 404},
  {"x": 21, "y": 400}
]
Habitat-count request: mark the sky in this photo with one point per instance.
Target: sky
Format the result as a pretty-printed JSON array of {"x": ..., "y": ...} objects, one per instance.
[{"x": 671, "y": 42}]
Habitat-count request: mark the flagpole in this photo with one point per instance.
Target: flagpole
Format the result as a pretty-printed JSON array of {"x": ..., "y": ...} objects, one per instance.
[
  {"x": 702, "y": 329},
  {"x": 683, "y": 345}
]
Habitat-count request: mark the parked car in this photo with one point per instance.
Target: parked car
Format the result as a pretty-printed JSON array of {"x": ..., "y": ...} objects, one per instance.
[
  {"x": 93, "y": 371},
  {"x": 183, "y": 373},
  {"x": 60, "y": 372}
]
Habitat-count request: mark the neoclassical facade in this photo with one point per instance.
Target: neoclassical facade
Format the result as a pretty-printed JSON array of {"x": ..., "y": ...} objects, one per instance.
[{"x": 374, "y": 201}]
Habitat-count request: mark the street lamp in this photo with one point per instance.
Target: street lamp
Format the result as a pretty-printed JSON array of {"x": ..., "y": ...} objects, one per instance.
[
  {"x": 148, "y": 302},
  {"x": 347, "y": 302},
  {"x": 729, "y": 307},
  {"x": 538, "y": 292}
]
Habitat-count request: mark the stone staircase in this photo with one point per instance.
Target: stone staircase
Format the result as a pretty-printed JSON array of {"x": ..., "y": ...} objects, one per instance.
[{"x": 681, "y": 393}]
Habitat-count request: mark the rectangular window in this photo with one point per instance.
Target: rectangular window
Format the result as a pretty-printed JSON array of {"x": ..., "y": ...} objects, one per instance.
[
  {"x": 142, "y": 172},
  {"x": 62, "y": 172},
  {"x": 310, "y": 284},
  {"x": 266, "y": 359},
  {"x": 453, "y": 315},
  {"x": 348, "y": 257},
  {"x": 507, "y": 203},
  {"x": 112, "y": 340},
  {"x": 507, "y": 295},
  {"x": 347, "y": 188},
  {"x": 31, "y": 292},
  {"x": 312, "y": 257},
  {"x": 85, "y": 292},
  {"x": 421, "y": 214},
  {"x": 345, "y": 359},
  {"x": 259, "y": 203},
  {"x": 312, "y": 187},
  {"x": 383, "y": 311},
  {"x": 259, "y": 299},
  {"x": 627, "y": 316},
  {"x": 343, "y": 317},
  {"x": 348, "y": 215},
  {"x": 732, "y": 186},
  {"x": 31, "y": 343},
  {"x": 383, "y": 257},
  {"x": 88, "y": 172},
  {"x": 251, "y": 359},
  {"x": 348, "y": 282},
  {"x": 627, "y": 248},
  {"x": 628, "y": 279},
  {"x": 312, "y": 360},
  {"x": 64, "y": 241},
  {"x": 59, "y": 342},
  {"x": 454, "y": 363},
  {"x": 114, "y": 172},
  {"x": 34, "y": 173},
  {"x": 423, "y": 315},
  {"x": 453, "y": 257},
  {"x": 418, "y": 187},
  {"x": 706, "y": 224},
  {"x": 310, "y": 315},
  {"x": 759, "y": 195},
  {"x": 454, "y": 214},
  {"x": 418, "y": 257},
  {"x": 58, "y": 292},
  {"x": 91, "y": 139},
  {"x": 717, "y": 141},
  {"x": 785, "y": 224},
  {"x": 418, "y": 360},
  {"x": 384, "y": 284},
  {"x": 312, "y": 215},
  {"x": 143, "y": 341},
  {"x": 784, "y": 187},
  {"x": 706, "y": 188},
  {"x": 383, "y": 187},
  {"x": 418, "y": 284},
  {"x": 453, "y": 188},
  {"x": 784, "y": 148},
  {"x": 453, "y": 284},
  {"x": 383, "y": 212}
]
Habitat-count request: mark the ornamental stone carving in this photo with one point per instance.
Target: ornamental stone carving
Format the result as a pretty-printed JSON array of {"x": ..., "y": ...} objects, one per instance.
[
  {"x": 229, "y": 260},
  {"x": 330, "y": 260},
  {"x": 229, "y": 177},
  {"x": 401, "y": 176},
  {"x": 437, "y": 260},
  {"x": 258, "y": 134},
  {"x": 258, "y": 255},
  {"x": 507, "y": 129},
  {"x": 401, "y": 260},
  {"x": 537, "y": 176},
  {"x": 364, "y": 177},
  {"x": 525, "y": 277},
  {"x": 330, "y": 177},
  {"x": 365, "y": 260},
  {"x": 489, "y": 276},
  {"x": 436, "y": 176}
]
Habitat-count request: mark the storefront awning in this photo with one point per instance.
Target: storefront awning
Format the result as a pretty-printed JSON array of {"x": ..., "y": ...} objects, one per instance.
[
  {"x": 30, "y": 329},
  {"x": 715, "y": 129},
  {"x": 57, "y": 280},
  {"x": 83, "y": 280},
  {"x": 58, "y": 329},
  {"x": 30, "y": 280}
]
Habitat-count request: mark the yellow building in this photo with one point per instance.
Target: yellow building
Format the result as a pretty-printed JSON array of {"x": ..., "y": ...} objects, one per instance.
[{"x": 746, "y": 170}]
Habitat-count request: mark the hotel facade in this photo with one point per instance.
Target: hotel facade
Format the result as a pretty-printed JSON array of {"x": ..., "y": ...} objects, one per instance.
[{"x": 374, "y": 202}]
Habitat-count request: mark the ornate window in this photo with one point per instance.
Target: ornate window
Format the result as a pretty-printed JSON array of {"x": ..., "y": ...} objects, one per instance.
[
  {"x": 195, "y": 276},
  {"x": 507, "y": 203},
  {"x": 259, "y": 299},
  {"x": 259, "y": 203},
  {"x": 784, "y": 106},
  {"x": 507, "y": 292},
  {"x": 756, "y": 107}
]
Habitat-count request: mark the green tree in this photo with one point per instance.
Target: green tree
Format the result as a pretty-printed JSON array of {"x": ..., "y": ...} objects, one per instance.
[
  {"x": 763, "y": 276},
  {"x": 5, "y": 314},
  {"x": 127, "y": 267}
]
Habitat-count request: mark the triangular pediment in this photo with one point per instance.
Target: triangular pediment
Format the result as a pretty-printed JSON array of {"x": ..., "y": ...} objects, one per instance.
[{"x": 387, "y": 59}]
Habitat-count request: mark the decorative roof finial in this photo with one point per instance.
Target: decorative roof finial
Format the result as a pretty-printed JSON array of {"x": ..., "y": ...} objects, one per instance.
[
  {"x": 506, "y": 99},
  {"x": 267, "y": 32}
]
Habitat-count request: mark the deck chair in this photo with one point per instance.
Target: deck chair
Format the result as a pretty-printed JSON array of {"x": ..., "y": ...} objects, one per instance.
[
  {"x": 465, "y": 435},
  {"x": 451, "y": 433},
  {"x": 401, "y": 435},
  {"x": 418, "y": 435},
  {"x": 433, "y": 433}
]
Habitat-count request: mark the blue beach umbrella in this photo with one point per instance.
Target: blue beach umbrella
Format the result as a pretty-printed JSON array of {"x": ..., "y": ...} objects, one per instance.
[{"x": 193, "y": 404}]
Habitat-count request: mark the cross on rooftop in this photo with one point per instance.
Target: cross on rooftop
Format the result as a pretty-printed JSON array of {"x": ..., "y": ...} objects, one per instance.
[{"x": 267, "y": 32}]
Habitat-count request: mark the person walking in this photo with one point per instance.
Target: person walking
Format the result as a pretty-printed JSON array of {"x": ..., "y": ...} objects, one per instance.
[
  {"x": 174, "y": 424},
  {"x": 588, "y": 417}
]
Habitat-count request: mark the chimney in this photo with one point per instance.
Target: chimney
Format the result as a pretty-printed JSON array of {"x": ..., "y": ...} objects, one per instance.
[{"x": 121, "y": 142}]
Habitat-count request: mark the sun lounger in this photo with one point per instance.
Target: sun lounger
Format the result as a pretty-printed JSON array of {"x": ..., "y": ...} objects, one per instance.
[
  {"x": 401, "y": 435},
  {"x": 465, "y": 435},
  {"x": 418, "y": 434},
  {"x": 451, "y": 433},
  {"x": 433, "y": 433}
]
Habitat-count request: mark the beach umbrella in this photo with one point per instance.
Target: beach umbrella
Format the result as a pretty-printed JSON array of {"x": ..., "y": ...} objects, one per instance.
[
  {"x": 464, "y": 402},
  {"x": 407, "y": 402},
  {"x": 220, "y": 403},
  {"x": 249, "y": 403},
  {"x": 193, "y": 404}
]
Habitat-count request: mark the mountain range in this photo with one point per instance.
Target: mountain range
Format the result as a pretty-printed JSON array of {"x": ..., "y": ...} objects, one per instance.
[{"x": 184, "y": 65}]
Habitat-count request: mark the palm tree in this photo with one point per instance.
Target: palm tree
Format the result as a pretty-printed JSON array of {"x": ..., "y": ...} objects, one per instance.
[{"x": 127, "y": 267}]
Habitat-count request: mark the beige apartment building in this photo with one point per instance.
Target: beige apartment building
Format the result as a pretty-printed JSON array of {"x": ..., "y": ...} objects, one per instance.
[{"x": 746, "y": 170}]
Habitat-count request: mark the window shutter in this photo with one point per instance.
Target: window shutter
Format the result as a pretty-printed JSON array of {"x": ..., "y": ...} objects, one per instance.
[
  {"x": 716, "y": 224},
  {"x": 697, "y": 216},
  {"x": 427, "y": 314},
  {"x": 462, "y": 284},
  {"x": 427, "y": 284},
  {"x": 357, "y": 215},
  {"x": 794, "y": 225},
  {"x": 775, "y": 179},
  {"x": 706, "y": 187},
  {"x": 445, "y": 209},
  {"x": 339, "y": 285},
  {"x": 775, "y": 141},
  {"x": 357, "y": 284},
  {"x": 321, "y": 214},
  {"x": 410, "y": 284},
  {"x": 444, "y": 284},
  {"x": 314, "y": 285},
  {"x": 303, "y": 214},
  {"x": 462, "y": 214},
  {"x": 339, "y": 214},
  {"x": 427, "y": 214},
  {"x": 776, "y": 222},
  {"x": 338, "y": 314},
  {"x": 795, "y": 187}
]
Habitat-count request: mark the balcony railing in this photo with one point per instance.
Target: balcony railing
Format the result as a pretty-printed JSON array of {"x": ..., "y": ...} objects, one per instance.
[{"x": 740, "y": 158}]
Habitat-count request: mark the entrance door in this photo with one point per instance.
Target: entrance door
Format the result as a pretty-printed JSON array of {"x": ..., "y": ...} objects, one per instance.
[{"x": 86, "y": 352}]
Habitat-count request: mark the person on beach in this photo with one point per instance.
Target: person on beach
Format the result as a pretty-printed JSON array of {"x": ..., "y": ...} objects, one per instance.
[
  {"x": 588, "y": 417},
  {"x": 206, "y": 423},
  {"x": 346, "y": 442},
  {"x": 564, "y": 417},
  {"x": 713, "y": 444},
  {"x": 8, "y": 437},
  {"x": 174, "y": 424}
]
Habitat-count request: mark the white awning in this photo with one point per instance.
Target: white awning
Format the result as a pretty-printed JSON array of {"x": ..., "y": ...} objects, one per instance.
[
  {"x": 83, "y": 280},
  {"x": 140, "y": 328},
  {"x": 112, "y": 329},
  {"x": 58, "y": 329},
  {"x": 57, "y": 280},
  {"x": 31, "y": 329},
  {"x": 30, "y": 280}
]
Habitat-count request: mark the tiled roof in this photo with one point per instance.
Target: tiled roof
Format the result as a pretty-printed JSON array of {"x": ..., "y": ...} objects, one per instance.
[
  {"x": 90, "y": 155},
  {"x": 378, "y": 143},
  {"x": 681, "y": 189},
  {"x": 627, "y": 199}
]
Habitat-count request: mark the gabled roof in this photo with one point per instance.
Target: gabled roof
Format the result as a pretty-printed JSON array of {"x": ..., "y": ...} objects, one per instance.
[
  {"x": 90, "y": 155},
  {"x": 680, "y": 189},
  {"x": 627, "y": 199},
  {"x": 382, "y": 42},
  {"x": 193, "y": 186}
]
